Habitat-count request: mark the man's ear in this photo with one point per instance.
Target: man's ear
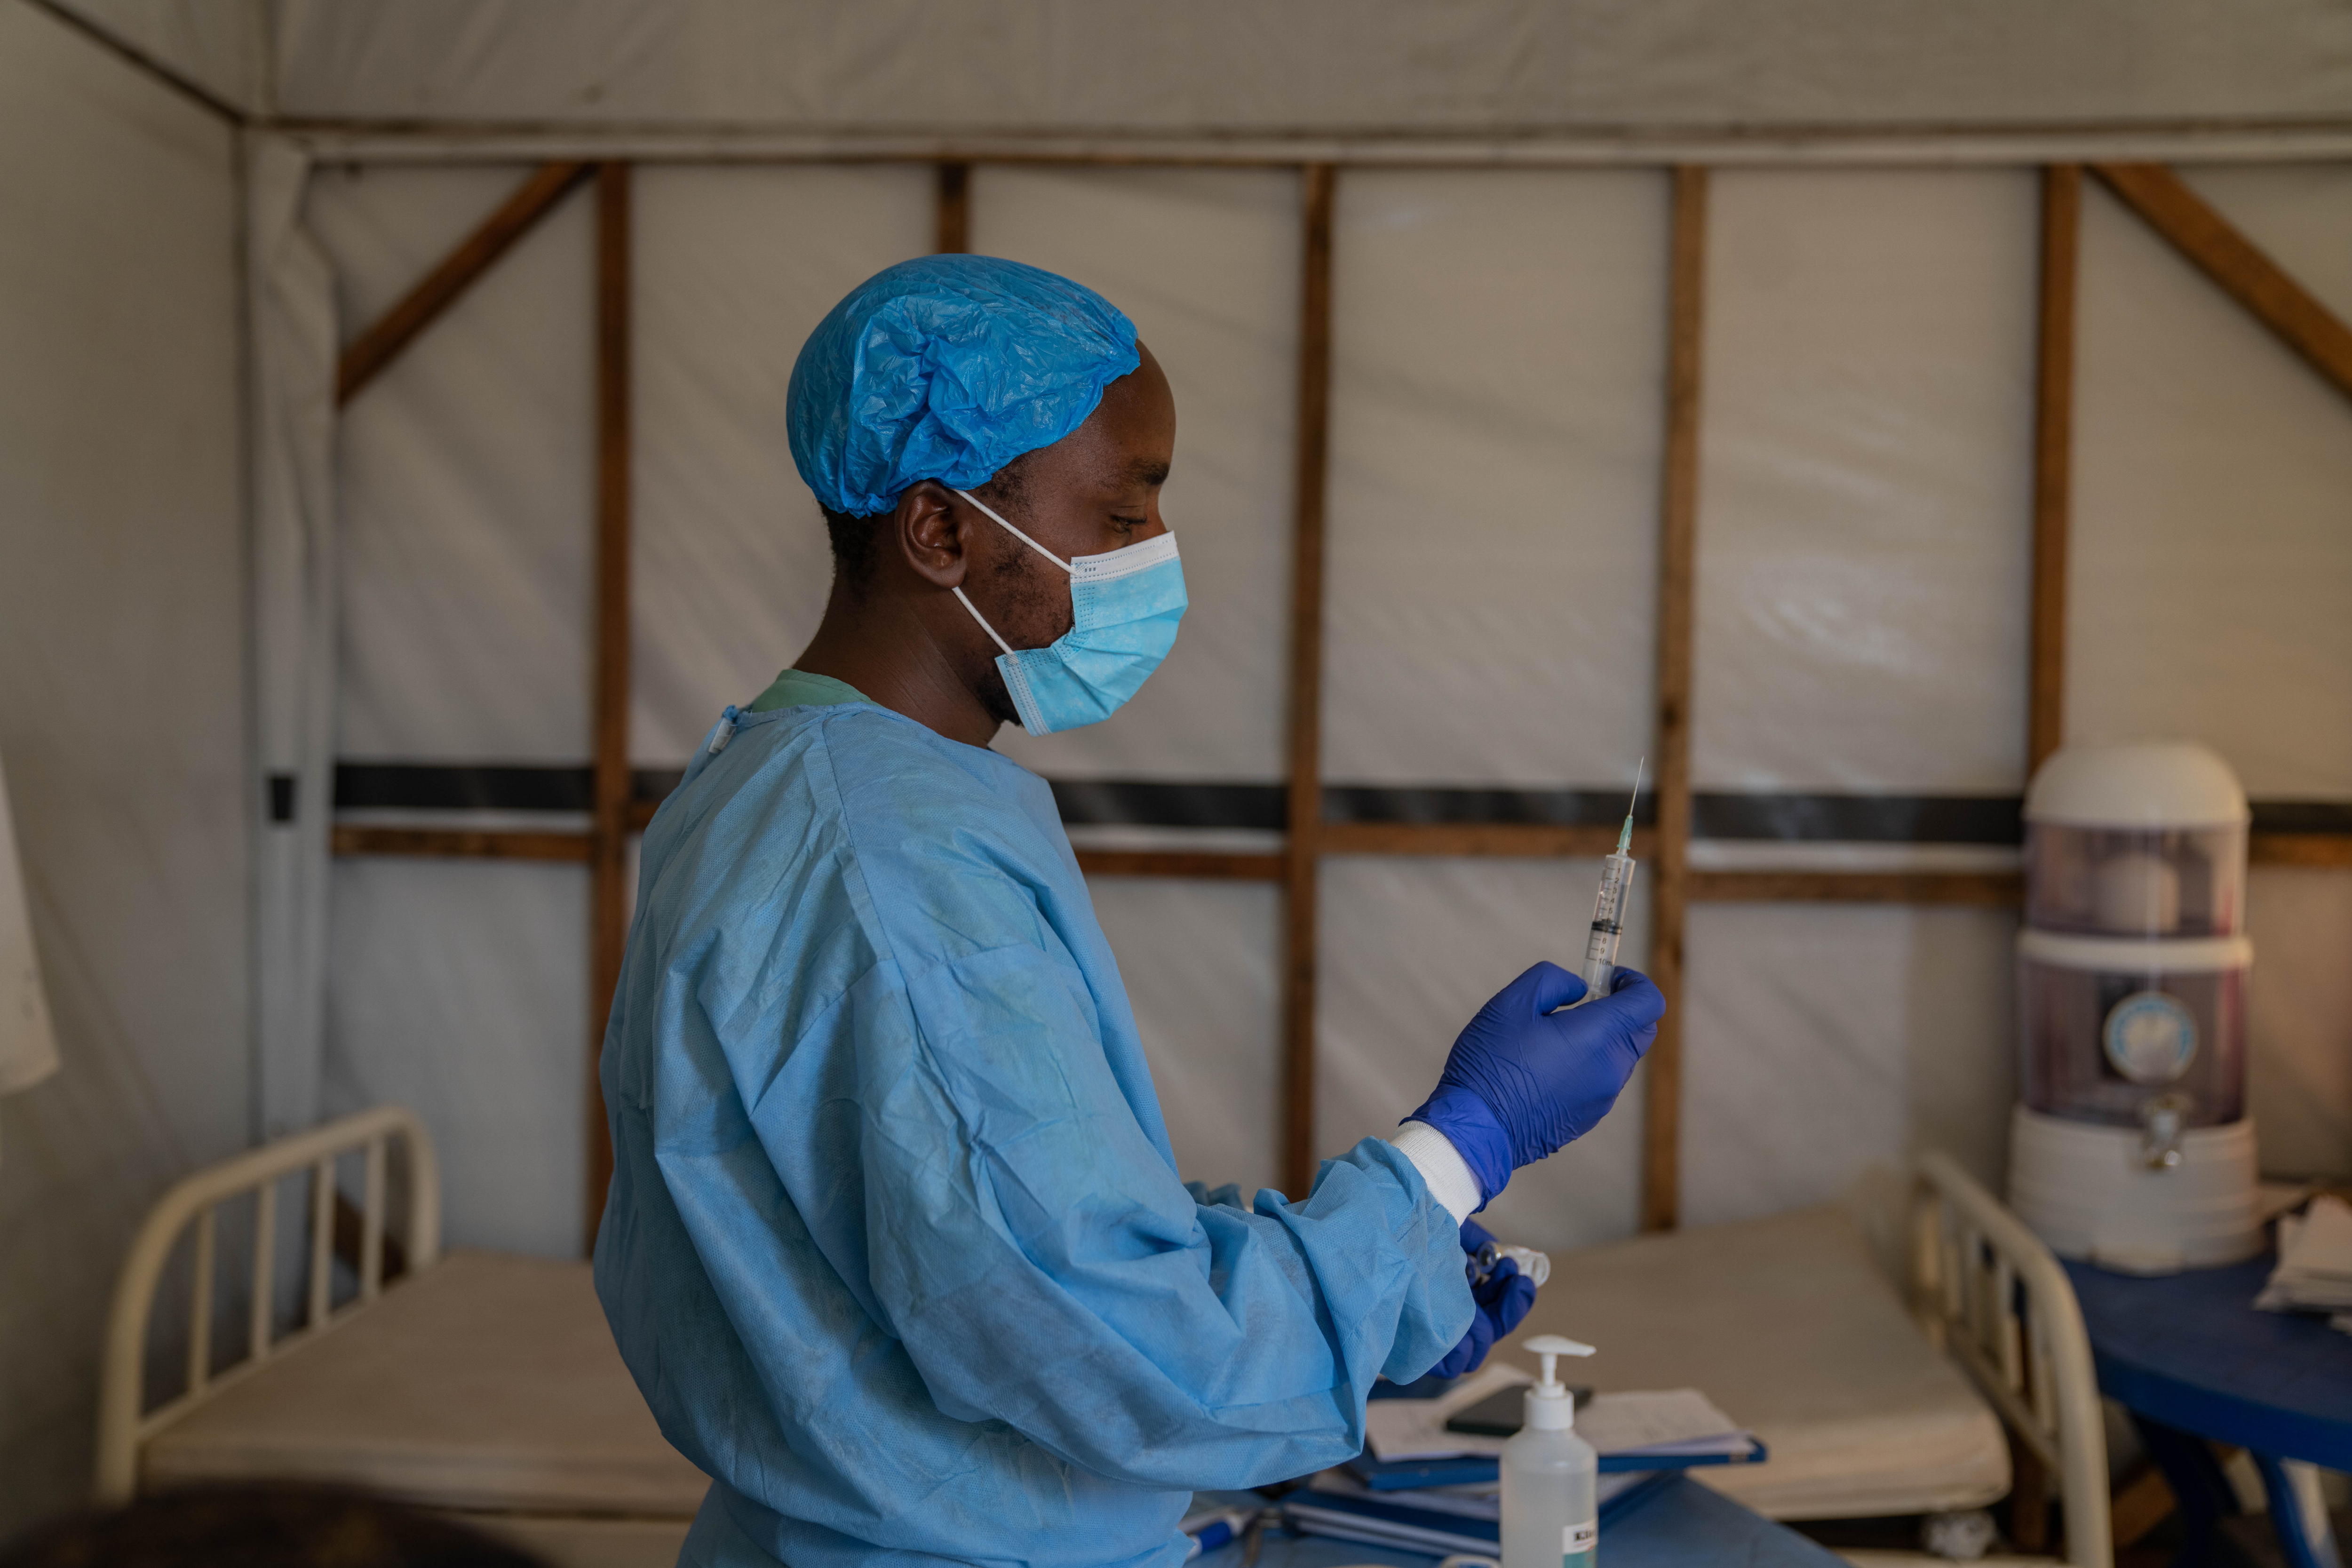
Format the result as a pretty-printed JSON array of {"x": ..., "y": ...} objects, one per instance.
[{"x": 928, "y": 535}]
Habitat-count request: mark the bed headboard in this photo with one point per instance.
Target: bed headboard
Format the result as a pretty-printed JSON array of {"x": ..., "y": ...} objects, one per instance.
[{"x": 122, "y": 1424}]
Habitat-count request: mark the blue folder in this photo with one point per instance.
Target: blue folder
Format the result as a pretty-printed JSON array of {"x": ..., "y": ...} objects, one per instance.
[
  {"x": 1387, "y": 1522},
  {"x": 1472, "y": 1469}
]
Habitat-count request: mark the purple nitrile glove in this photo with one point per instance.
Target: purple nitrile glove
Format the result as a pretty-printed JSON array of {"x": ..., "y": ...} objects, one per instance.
[
  {"x": 1502, "y": 1298},
  {"x": 1475, "y": 1237},
  {"x": 1523, "y": 1079}
]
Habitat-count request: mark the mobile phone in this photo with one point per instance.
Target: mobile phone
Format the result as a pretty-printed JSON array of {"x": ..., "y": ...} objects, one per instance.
[{"x": 1499, "y": 1414}]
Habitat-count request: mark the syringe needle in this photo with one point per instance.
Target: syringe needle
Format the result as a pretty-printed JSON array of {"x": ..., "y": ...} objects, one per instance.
[{"x": 1625, "y": 834}]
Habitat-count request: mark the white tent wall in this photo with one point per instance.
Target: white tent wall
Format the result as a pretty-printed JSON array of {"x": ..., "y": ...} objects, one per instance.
[
  {"x": 465, "y": 476},
  {"x": 1496, "y": 427},
  {"x": 1827, "y": 1043},
  {"x": 1498, "y": 363},
  {"x": 1206, "y": 263},
  {"x": 1866, "y": 430},
  {"x": 2212, "y": 555},
  {"x": 1498, "y": 371},
  {"x": 1866, "y": 443},
  {"x": 2212, "y": 567},
  {"x": 734, "y": 267},
  {"x": 122, "y": 695},
  {"x": 463, "y": 479}
]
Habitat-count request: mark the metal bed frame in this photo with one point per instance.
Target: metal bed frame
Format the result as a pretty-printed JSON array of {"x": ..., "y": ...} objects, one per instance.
[
  {"x": 124, "y": 1424},
  {"x": 1993, "y": 1297}
]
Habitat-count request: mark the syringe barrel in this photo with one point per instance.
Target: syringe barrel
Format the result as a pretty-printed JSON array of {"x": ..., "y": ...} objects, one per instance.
[{"x": 1607, "y": 925}]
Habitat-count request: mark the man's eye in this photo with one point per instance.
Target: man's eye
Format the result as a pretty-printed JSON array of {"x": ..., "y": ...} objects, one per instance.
[{"x": 1129, "y": 523}]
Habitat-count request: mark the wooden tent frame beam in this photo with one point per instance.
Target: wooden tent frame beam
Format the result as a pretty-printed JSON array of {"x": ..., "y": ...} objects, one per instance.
[
  {"x": 1303, "y": 845},
  {"x": 952, "y": 209},
  {"x": 1670, "y": 747},
  {"x": 2236, "y": 265},
  {"x": 1508, "y": 841},
  {"x": 2053, "y": 460},
  {"x": 390, "y": 334},
  {"x": 611, "y": 785},
  {"x": 2153, "y": 192}
]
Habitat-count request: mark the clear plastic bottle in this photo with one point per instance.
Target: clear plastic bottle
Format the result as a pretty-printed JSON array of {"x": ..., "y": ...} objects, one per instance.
[{"x": 1550, "y": 1515}]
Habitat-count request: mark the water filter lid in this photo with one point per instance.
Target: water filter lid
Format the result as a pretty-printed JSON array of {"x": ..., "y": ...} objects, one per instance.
[
  {"x": 2134, "y": 954},
  {"x": 2152, "y": 785},
  {"x": 1550, "y": 1408}
]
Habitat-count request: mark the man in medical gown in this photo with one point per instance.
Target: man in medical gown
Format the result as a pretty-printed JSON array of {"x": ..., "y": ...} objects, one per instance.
[{"x": 896, "y": 1245}]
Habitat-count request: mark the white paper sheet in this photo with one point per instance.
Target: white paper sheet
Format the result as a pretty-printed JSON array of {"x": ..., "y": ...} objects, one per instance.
[
  {"x": 2315, "y": 1267},
  {"x": 1666, "y": 1422}
]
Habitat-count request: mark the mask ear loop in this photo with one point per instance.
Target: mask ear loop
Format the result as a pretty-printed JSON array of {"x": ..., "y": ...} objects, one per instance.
[
  {"x": 1016, "y": 534},
  {"x": 983, "y": 623},
  {"x": 1008, "y": 651}
]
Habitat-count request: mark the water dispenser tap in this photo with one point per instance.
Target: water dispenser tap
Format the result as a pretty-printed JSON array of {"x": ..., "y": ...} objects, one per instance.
[{"x": 2163, "y": 1118}]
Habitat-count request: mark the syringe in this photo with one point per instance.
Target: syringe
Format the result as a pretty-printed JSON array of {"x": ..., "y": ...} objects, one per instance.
[{"x": 1608, "y": 909}]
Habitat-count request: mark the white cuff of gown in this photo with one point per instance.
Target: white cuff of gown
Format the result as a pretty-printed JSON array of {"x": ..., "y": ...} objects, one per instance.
[{"x": 1442, "y": 1166}]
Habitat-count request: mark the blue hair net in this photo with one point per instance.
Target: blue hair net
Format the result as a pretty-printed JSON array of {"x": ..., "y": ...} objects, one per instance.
[{"x": 947, "y": 368}]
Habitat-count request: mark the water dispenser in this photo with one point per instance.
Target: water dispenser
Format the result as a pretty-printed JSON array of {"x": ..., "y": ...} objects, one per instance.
[{"x": 2132, "y": 1147}]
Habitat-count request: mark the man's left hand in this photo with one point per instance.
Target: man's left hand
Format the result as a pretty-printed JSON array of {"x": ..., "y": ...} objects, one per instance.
[{"x": 1502, "y": 1298}]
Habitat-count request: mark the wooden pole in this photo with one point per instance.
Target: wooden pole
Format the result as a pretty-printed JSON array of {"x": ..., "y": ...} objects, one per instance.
[
  {"x": 1303, "y": 848},
  {"x": 609, "y": 827},
  {"x": 2216, "y": 247},
  {"x": 2053, "y": 447},
  {"x": 2300, "y": 849},
  {"x": 953, "y": 213},
  {"x": 382, "y": 341},
  {"x": 1997, "y": 889},
  {"x": 1670, "y": 751},
  {"x": 1188, "y": 865}
]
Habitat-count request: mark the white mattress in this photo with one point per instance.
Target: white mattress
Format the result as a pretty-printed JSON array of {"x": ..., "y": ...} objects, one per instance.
[
  {"x": 489, "y": 1383},
  {"x": 1788, "y": 1325}
]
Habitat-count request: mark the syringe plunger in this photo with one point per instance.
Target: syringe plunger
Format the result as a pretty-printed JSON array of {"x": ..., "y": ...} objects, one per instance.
[{"x": 1609, "y": 908}]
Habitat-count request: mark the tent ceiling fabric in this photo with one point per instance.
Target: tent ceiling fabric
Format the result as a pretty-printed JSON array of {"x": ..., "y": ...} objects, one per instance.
[
  {"x": 1326, "y": 67},
  {"x": 220, "y": 47}
]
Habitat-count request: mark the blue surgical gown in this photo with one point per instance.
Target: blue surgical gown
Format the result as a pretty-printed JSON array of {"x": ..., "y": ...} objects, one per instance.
[{"x": 895, "y": 1246}]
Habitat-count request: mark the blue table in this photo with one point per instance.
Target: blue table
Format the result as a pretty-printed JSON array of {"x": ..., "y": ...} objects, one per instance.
[
  {"x": 2191, "y": 1359},
  {"x": 1681, "y": 1525}
]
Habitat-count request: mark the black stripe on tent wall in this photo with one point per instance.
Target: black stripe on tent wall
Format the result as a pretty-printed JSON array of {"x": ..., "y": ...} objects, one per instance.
[
  {"x": 482, "y": 786},
  {"x": 1164, "y": 802}
]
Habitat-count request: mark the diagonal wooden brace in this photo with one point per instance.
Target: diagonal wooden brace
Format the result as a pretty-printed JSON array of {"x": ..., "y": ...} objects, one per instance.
[
  {"x": 2216, "y": 247},
  {"x": 382, "y": 343}
]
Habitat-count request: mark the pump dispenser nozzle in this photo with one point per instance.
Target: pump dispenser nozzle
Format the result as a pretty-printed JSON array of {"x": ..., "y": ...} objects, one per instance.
[{"x": 1549, "y": 1407}]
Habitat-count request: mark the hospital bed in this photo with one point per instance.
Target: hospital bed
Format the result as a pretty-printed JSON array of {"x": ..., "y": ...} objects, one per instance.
[
  {"x": 1871, "y": 1406},
  {"x": 480, "y": 1384},
  {"x": 488, "y": 1385}
]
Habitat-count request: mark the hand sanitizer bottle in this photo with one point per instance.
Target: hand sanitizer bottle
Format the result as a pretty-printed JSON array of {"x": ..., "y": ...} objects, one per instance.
[{"x": 1550, "y": 1518}]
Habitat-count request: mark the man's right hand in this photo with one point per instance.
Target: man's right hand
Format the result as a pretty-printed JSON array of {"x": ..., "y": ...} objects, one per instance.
[{"x": 1523, "y": 1079}]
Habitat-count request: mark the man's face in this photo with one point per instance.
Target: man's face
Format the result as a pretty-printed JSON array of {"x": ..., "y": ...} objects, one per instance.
[{"x": 1096, "y": 490}]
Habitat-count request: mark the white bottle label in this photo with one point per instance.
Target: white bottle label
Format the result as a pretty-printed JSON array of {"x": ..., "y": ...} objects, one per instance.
[{"x": 1578, "y": 1544}]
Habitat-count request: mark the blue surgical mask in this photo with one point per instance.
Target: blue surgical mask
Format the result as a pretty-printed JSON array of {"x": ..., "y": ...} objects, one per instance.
[{"x": 1126, "y": 604}]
